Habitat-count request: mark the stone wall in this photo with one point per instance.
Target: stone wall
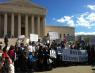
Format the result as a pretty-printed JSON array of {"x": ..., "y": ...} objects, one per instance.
[{"x": 61, "y": 30}]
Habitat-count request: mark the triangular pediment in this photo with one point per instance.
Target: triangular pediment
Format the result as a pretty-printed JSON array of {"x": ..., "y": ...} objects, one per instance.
[
  {"x": 22, "y": 1},
  {"x": 29, "y": 7},
  {"x": 27, "y": 3}
]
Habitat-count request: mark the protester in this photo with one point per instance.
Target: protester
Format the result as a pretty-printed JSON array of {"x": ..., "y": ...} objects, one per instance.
[
  {"x": 8, "y": 66},
  {"x": 1, "y": 58},
  {"x": 59, "y": 54},
  {"x": 32, "y": 58},
  {"x": 35, "y": 55},
  {"x": 6, "y": 40},
  {"x": 53, "y": 55},
  {"x": 45, "y": 58},
  {"x": 11, "y": 53}
]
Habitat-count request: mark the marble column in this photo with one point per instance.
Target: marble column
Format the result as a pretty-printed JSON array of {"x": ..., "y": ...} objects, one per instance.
[
  {"x": 26, "y": 25},
  {"x": 12, "y": 24},
  {"x": 38, "y": 25},
  {"x": 5, "y": 24},
  {"x": 19, "y": 24},
  {"x": 43, "y": 25},
  {"x": 0, "y": 26},
  {"x": 32, "y": 24}
]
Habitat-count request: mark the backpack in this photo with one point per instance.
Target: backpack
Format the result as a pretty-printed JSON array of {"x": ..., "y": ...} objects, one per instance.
[{"x": 31, "y": 58}]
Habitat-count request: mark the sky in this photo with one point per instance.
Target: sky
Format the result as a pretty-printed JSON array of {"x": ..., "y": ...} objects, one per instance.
[{"x": 74, "y": 13}]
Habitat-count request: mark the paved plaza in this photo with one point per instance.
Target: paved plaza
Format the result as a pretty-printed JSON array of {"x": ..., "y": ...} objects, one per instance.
[{"x": 71, "y": 69}]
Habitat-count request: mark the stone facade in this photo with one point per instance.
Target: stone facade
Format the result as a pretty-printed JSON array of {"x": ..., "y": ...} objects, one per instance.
[
  {"x": 21, "y": 17},
  {"x": 61, "y": 30}
]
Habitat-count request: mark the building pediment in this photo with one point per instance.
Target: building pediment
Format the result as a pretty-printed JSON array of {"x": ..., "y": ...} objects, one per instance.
[
  {"x": 26, "y": 7},
  {"x": 19, "y": 0}
]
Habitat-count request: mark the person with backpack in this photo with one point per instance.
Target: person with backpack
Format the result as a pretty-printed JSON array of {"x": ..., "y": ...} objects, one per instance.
[{"x": 32, "y": 59}]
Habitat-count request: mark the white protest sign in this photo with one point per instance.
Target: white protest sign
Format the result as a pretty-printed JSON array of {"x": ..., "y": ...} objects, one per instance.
[
  {"x": 53, "y": 53},
  {"x": 34, "y": 37},
  {"x": 74, "y": 55},
  {"x": 54, "y": 35}
]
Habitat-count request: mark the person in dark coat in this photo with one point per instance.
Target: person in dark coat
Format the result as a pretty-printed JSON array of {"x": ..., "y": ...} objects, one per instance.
[{"x": 6, "y": 40}]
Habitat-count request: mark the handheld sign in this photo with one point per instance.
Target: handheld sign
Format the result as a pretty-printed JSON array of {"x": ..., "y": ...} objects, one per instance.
[
  {"x": 34, "y": 37},
  {"x": 53, "y": 35}
]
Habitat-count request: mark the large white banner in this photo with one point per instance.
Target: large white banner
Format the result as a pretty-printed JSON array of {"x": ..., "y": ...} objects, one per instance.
[
  {"x": 74, "y": 55},
  {"x": 34, "y": 37},
  {"x": 54, "y": 35}
]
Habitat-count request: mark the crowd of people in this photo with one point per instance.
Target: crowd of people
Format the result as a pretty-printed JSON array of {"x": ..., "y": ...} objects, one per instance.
[{"x": 34, "y": 56}]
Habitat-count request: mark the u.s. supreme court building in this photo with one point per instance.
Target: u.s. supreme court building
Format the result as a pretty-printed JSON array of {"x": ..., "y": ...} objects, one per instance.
[{"x": 21, "y": 17}]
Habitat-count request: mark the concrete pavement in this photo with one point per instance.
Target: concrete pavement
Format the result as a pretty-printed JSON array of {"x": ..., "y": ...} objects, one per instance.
[{"x": 71, "y": 69}]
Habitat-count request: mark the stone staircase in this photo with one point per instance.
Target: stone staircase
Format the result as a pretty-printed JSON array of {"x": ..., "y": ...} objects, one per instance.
[{"x": 12, "y": 41}]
